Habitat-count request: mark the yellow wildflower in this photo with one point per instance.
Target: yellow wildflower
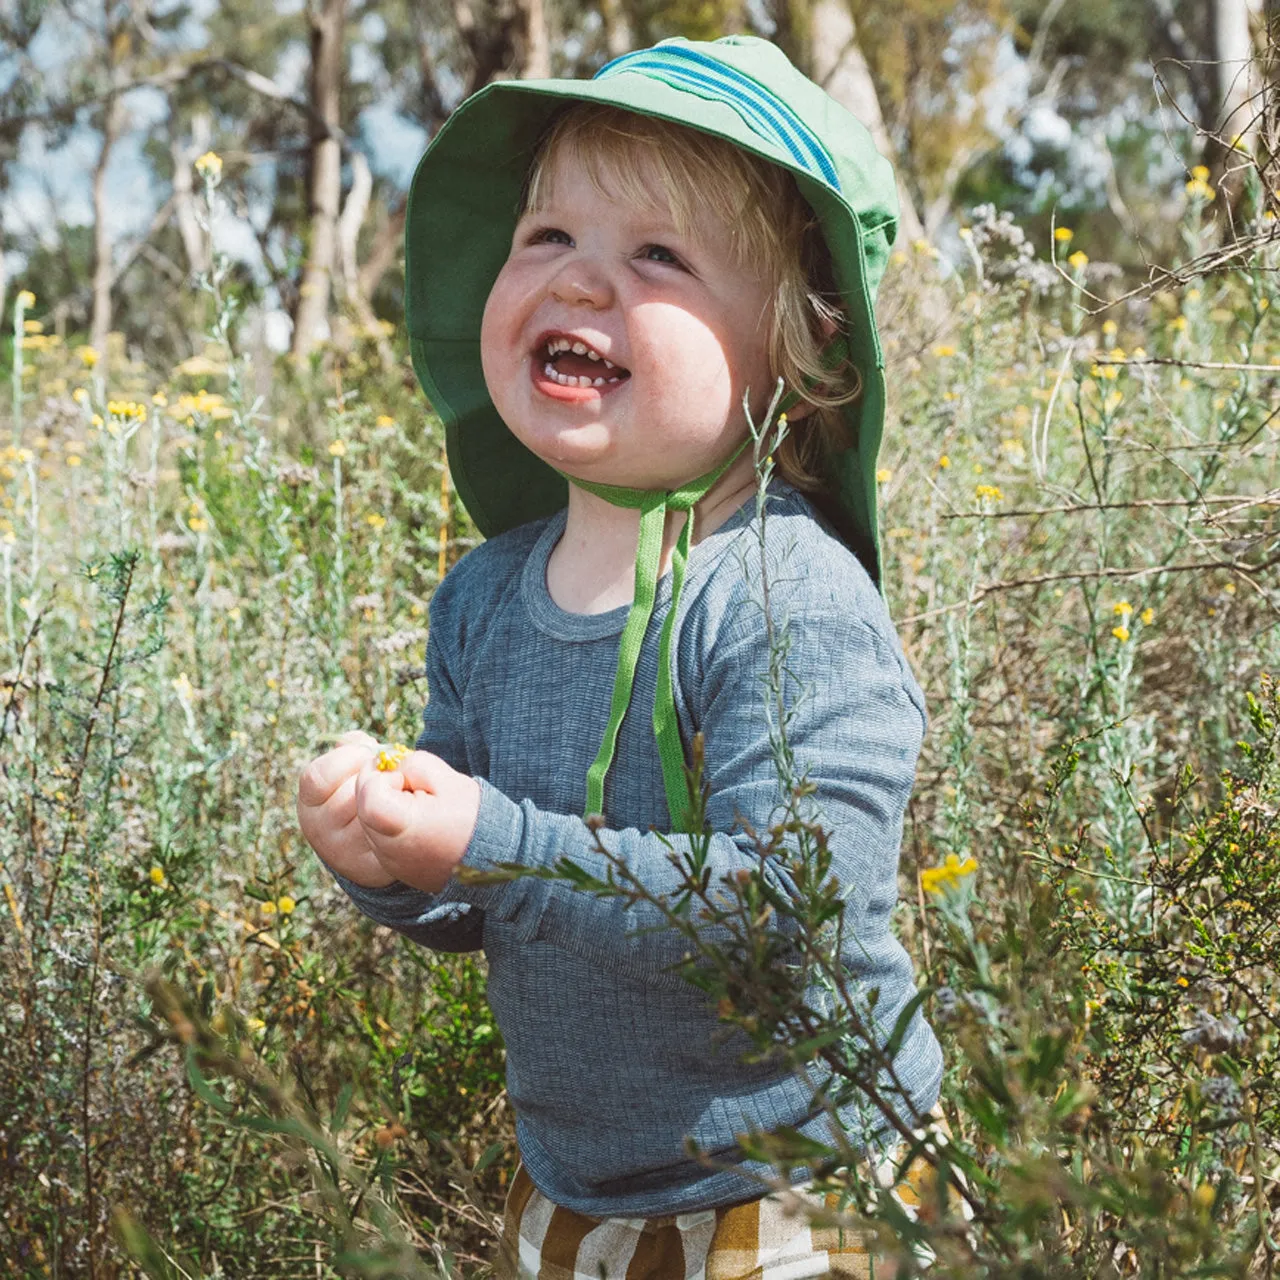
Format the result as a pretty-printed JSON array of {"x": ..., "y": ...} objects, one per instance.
[
  {"x": 988, "y": 491},
  {"x": 1139, "y": 353},
  {"x": 374, "y": 520},
  {"x": 897, "y": 258},
  {"x": 1109, "y": 328},
  {"x": 73, "y": 459},
  {"x": 157, "y": 876},
  {"x": 268, "y": 908},
  {"x": 209, "y": 167},
  {"x": 1178, "y": 323},
  {"x": 884, "y": 475},
  {"x": 389, "y": 757},
  {"x": 338, "y": 448},
  {"x": 1148, "y": 616},
  {"x": 80, "y": 395},
  {"x": 384, "y": 420},
  {"x": 160, "y": 399},
  {"x": 32, "y": 326},
  {"x": 948, "y": 875},
  {"x": 197, "y": 524},
  {"x": 1199, "y": 189},
  {"x": 1121, "y": 633},
  {"x": 1078, "y": 260},
  {"x": 944, "y": 462},
  {"x": 1200, "y": 172},
  {"x": 943, "y": 351},
  {"x": 25, "y": 300},
  {"x": 88, "y": 356},
  {"x": 1063, "y": 234},
  {"x": 1122, "y": 608},
  {"x": 285, "y": 904}
]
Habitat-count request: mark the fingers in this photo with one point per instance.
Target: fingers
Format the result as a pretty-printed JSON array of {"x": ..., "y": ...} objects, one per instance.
[
  {"x": 383, "y": 801},
  {"x": 359, "y": 736},
  {"x": 423, "y": 771},
  {"x": 326, "y": 773}
]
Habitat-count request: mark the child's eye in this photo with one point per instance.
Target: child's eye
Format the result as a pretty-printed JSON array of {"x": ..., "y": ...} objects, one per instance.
[
  {"x": 667, "y": 255},
  {"x": 547, "y": 235}
]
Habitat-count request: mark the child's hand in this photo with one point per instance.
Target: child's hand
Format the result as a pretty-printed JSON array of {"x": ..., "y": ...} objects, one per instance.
[
  {"x": 418, "y": 816},
  {"x": 327, "y": 810}
]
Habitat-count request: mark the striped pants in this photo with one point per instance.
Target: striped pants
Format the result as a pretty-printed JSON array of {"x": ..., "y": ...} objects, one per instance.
[{"x": 761, "y": 1240}]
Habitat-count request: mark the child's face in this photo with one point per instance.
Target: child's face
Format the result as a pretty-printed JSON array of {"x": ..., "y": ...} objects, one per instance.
[{"x": 685, "y": 328}]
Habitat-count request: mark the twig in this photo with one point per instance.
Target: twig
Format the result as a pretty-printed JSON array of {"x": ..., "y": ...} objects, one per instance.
[{"x": 1271, "y": 497}]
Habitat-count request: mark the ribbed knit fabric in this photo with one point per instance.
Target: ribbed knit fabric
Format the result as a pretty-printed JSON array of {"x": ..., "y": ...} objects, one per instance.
[{"x": 611, "y": 1058}]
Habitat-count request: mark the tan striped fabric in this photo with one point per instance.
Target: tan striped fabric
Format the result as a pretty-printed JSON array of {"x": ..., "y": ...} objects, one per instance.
[{"x": 759, "y": 1240}]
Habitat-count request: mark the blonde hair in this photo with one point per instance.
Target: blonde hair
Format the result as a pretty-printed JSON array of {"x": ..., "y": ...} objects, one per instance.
[{"x": 771, "y": 224}]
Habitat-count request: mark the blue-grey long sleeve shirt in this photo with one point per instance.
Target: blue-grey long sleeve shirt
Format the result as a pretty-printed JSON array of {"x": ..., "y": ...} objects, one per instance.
[{"x": 612, "y": 1058}]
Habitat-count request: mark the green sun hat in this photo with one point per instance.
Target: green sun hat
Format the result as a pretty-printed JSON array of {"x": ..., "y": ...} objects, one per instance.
[{"x": 463, "y": 208}]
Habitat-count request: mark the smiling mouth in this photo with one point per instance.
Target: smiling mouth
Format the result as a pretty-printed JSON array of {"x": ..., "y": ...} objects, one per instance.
[{"x": 570, "y": 362}]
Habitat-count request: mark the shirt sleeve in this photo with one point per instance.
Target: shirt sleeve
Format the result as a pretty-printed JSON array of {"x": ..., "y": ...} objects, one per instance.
[
  {"x": 857, "y": 721},
  {"x": 428, "y": 918}
]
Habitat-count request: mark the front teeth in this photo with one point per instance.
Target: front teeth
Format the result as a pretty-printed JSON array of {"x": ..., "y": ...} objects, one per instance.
[
  {"x": 557, "y": 345},
  {"x": 569, "y": 380}
]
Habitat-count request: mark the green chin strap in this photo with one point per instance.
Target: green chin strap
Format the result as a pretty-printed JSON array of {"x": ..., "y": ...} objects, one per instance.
[{"x": 654, "y": 505}]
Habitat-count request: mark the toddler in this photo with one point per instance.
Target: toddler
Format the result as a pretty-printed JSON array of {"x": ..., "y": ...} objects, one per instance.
[{"x": 597, "y": 273}]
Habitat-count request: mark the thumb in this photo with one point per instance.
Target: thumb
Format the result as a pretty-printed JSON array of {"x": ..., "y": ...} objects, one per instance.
[{"x": 358, "y": 737}]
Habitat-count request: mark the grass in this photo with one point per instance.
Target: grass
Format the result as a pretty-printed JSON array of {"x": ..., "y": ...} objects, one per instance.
[{"x": 213, "y": 1066}]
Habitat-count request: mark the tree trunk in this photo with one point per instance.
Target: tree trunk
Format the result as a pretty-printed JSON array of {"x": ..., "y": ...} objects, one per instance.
[
  {"x": 311, "y": 324},
  {"x": 837, "y": 64},
  {"x": 100, "y": 322},
  {"x": 616, "y": 23},
  {"x": 1237, "y": 97},
  {"x": 194, "y": 240},
  {"x": 537, "y": 42}
]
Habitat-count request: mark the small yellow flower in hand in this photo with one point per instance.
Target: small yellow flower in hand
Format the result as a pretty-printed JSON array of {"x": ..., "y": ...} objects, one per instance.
[{"x": 389, "y": 757}]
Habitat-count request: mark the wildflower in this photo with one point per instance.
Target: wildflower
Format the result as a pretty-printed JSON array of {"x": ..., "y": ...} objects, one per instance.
[
  {"x": 1121, "y": 633},
  {"x": 948, "y": 875},
  {"x": 1108, "y": 372},
  {"x": 1139, "y": 353},
  {"x": 988, "y": 491},
  {"x": 25, "y": 300},
  {"x": 884, "y": 475},
  {"x": 88, "y": 356},
  {"x": 1178, "y": 323},
  {"x": 160, "y": 399},
  {"x": 897, "y": 258},
  {"x": 384, "y": 420},
  {"x": 1113, "y": 401},
  {"x": 1063, "y": 234},
  {"x": 285, "y": 904},
  {"x": 374, "y": 520},
  {"x": 268, "y": 908},
  {"x": 1199, "y": 189},
  {"x": 943, "y": 351},
  {"x": 1181, "y": 981},
  {"x": 209, "y": 167},
  {"x": 1122, "y": 608},
  {"x": 1193, "y": 295},
  {"x": 389, "y": 757},
  {"x": 254, "y": 1024},
  {"x": 157, "y": 876},
  {"x": 32, "y": 326},
  {"x": 80, "y": 395},
  {"x": 182, "y": 685},
  {"x": 1200, "y": 172},
  {"x": 1078, "y": 260},
  {"x": 73, "y": 459},
  {"x": 944, "y": 462},
  {"x": 338, "y": 449},
  {"x": 1230, "y": 588},
  {"x": 1148, "y": 616},
  {"x": 1109, "y": 328},
  {"x": 197, "y": 524}
]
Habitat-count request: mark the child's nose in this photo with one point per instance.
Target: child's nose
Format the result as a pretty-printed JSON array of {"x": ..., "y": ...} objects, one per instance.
[{"x": 581, "y": 280}]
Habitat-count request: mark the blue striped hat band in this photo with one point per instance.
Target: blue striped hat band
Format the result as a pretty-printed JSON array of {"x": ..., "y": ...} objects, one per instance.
[{"x": 762, "y": 110}]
